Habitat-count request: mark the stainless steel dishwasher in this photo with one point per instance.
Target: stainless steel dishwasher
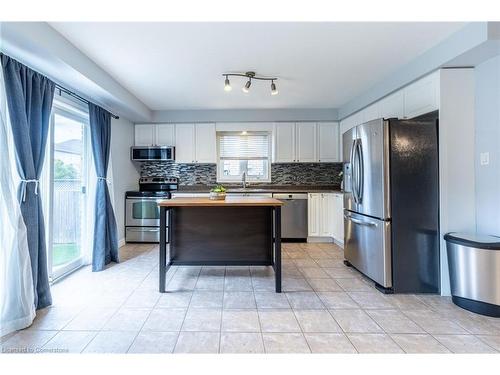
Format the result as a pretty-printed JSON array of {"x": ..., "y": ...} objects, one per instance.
[{"x": 293, "y": 215}]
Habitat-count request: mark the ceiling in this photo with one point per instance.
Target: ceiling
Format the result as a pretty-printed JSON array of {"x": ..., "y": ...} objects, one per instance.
[{"x": 320, "y": 65}]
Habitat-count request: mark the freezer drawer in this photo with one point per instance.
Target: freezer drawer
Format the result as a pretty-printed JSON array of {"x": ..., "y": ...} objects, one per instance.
[{"x": 367, "y": 246}]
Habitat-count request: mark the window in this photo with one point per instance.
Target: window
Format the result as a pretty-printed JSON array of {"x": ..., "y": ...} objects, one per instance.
[{"x": 243, "y": 152}]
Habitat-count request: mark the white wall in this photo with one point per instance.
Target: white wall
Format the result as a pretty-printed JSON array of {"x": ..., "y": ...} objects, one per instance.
[
  {"x": 125, "y": 176},
  {"x": 456, "y": 158},
  {"x": 487, "y": 118}
]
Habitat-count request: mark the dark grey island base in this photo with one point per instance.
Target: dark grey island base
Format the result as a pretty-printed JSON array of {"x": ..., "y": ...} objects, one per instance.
[{"x": 236, "y": 232}]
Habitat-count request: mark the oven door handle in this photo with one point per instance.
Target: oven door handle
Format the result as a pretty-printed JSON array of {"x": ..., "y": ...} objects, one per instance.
[
  {"x": 142, "y": 230},
  {"x": 147, "y": 199}
]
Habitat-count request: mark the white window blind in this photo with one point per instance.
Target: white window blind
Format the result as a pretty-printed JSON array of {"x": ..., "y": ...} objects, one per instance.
[
  {"x": 243, "y": 152},
  {"x": 243, "y": 146}
]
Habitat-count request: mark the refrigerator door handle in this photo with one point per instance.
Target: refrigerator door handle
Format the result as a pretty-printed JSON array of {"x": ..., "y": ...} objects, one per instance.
[
  {"x": 361, "y": 222},
  {"x": 361, "y": 169},
  {"x": 354, "y": 169}
]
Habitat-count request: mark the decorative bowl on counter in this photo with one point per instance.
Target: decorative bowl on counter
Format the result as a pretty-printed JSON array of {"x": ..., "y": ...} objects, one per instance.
[{"x": 218, "y": 193}]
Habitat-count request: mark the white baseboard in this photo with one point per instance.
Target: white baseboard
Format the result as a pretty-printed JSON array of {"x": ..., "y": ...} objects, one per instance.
[
  {"x": 339, "y": 243},
  {"x": 320, "y": 239},
  {"x": 325, "y": 240},
  {"x": 121, "y": 242}
]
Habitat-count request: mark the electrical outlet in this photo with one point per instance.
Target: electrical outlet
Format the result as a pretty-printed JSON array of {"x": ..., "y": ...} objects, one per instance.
[{"x": 484, "y": 158}]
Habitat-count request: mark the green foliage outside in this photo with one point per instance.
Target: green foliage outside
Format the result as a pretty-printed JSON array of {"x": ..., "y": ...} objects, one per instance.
[
  {"x": 64, "y": 171},
  {"x": 64, "y": 252}
]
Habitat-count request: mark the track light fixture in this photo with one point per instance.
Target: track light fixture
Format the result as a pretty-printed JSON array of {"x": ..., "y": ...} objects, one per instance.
[{"x": 250, "y": 76}]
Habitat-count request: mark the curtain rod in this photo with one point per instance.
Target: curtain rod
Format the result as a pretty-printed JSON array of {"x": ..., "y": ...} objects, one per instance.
[{"x": 76, "y": 96}]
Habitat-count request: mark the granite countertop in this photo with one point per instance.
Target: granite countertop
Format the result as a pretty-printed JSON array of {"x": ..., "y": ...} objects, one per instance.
[{"x": 264, "y": 189}]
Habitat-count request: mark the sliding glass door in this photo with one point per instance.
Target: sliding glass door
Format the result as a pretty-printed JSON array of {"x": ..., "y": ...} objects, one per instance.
[{"x": 67, "y": 198}]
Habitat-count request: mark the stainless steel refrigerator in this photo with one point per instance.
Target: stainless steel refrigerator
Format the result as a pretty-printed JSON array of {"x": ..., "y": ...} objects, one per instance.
[{"x": 391, "y": 203}]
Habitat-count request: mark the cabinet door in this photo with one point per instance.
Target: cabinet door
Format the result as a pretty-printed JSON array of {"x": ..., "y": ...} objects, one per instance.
[
  {"x": 393, "y": 105},
  {"x": 144, "y": 135},
  {"x": 338, "y": 218},
  {"x": 284, "y": 142},
  {"x": 313, "y": 214},
  {"x": 328, "y": 142},
  {"x": 371, "y": 112},
  {"x": 205, "y": 143},
  {"x": 422, "y": 96},
  {"x": 184, "y": 143},
  {"x": 306, "y": 142},
  {"x": 165, "y": 135},
  {"x": 326, "y": 215}
]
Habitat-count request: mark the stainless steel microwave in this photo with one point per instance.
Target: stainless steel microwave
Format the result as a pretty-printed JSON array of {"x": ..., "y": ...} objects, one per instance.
[{"x": 144, "y": 153}]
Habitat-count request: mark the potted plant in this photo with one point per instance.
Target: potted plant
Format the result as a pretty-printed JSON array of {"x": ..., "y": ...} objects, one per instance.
[{"x": 218, "y": 193}]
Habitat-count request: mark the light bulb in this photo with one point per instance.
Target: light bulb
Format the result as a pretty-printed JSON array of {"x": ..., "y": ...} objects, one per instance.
[
  {"x": 227, "y": 85},
  {"x": 246, "y": 88},
  {"x": 274, "y": 91}
]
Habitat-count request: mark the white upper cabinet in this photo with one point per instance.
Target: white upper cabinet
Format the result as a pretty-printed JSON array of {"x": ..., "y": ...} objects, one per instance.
[
  {"x": 195, "y": 143},
  {"x": 154, "y": 135},
  {"x": 306, "y": 142},
  {"x": 422, "y": 96},
  {"x": 393, "y": 105},
  {"x": 328, "y": 142},
  {"x": 284, "y": 142},
  {"x": 205, "y": 144},
  {"x": 371, "y": 112},
  {"x": 185, "y": 143},
  {"x": 165, "y": 134},
  {"x": 145, "y": 134},
  {"x": 295, "y": 142}
]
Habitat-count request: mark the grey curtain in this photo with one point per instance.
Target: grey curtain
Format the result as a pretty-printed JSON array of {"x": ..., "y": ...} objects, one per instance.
[
  {"x": 29, "y": 99},
  {"x": 105, "y": 234}
]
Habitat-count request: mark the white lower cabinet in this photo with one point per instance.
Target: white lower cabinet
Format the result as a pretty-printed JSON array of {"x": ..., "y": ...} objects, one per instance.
[
  {"x": 338, "y": 214},
  {"x": 325, "y": 216},
  {"x": 313, "y": 214}
]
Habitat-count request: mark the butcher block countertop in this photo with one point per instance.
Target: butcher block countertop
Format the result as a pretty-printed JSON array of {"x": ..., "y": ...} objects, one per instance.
[{"x": 228, "y": 202}]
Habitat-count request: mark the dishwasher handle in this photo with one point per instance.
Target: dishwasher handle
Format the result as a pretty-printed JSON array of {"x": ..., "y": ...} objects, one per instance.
[{"x": 289, "y": 196}]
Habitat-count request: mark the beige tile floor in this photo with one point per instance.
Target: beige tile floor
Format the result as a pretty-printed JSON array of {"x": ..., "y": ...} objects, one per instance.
[{"x": 325, "y": 308}]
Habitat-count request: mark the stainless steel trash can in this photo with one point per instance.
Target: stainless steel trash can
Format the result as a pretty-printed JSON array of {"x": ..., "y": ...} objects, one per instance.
[{"x": 474, "y": 265}]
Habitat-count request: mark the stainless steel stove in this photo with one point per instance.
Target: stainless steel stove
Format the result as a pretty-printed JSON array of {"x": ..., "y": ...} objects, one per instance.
[{"x": 142, "y": 215}]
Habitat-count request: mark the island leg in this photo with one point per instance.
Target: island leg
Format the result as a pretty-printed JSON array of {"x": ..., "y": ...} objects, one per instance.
[
  {"x": 163, "y": 248},
  {"x": 277, "y": 247}
]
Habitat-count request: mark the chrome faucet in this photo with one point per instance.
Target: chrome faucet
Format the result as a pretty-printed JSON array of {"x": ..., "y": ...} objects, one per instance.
[{"x": 244, "y": 180}]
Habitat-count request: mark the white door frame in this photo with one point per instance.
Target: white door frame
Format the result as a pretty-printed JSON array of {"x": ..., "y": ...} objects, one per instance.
[{"x": 62, "y": 109}]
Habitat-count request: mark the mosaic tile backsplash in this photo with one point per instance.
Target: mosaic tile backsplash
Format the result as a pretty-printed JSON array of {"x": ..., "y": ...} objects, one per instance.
[{"x": 314, "y": 174}]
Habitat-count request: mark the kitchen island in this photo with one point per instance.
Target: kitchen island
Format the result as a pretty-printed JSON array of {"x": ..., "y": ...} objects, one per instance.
[{"x": 237, "y": 231}]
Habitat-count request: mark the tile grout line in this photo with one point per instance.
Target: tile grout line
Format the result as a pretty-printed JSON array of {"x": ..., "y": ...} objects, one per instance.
[{"x": 185, "y": 314}]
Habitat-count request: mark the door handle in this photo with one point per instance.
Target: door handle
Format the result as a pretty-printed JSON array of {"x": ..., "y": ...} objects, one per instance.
[
  {"x": 361, "y": 170},
  {"x": 353, "y": 171},
  {"x": 142, "y": 230},
  {"x": 361, "y": 222}
]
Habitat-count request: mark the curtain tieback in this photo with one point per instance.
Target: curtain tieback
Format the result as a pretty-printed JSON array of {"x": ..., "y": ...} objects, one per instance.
[
  {"x": 103, "y": 178},
  {"x": 24, "y": 184}
]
